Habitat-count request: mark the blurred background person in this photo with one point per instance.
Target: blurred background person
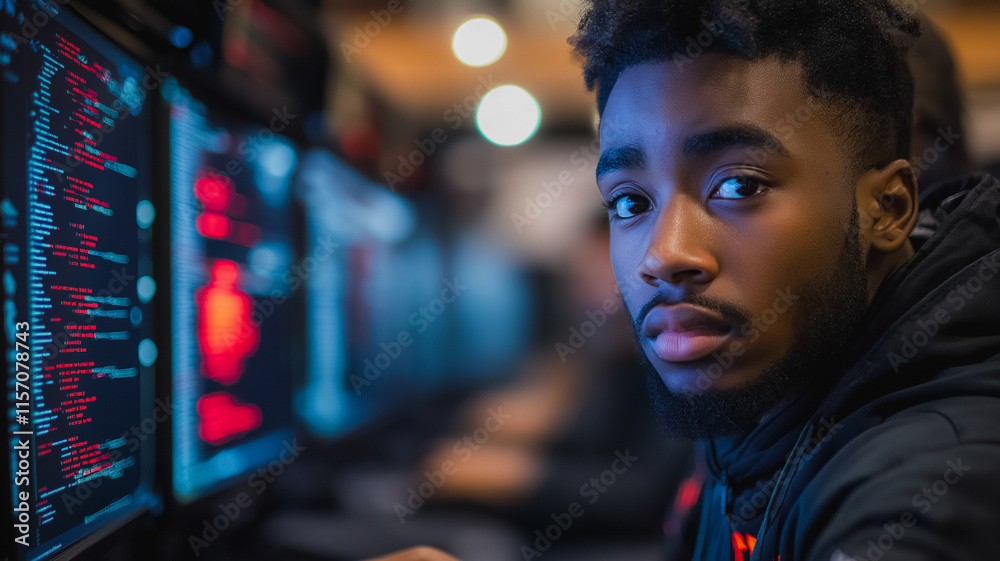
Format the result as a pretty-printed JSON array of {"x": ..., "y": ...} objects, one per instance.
[{"x": 939, "y": 139}]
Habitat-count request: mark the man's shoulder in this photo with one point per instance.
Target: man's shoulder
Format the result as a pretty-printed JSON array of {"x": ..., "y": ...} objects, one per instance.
[
  {"x": 933, "y": 429},
  {"x": 931, "y": 467},
  {"x": 943, "y": 422}
]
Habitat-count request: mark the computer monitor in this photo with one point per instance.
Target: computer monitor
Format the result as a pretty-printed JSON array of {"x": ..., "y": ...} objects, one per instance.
[
  {"x": 353, "y": 226},
  {"x": 377, "y": 327},
  {"x": 401, "y": 334},
  {"x": 77, "y": 282},
  {"x": 232, "y": 275},
  {"x": 324, "y": 403}
]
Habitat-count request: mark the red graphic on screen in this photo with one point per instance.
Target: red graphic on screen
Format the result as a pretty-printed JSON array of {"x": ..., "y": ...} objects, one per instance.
[
  {"x": 214, "y": 192},
  {"x": 224, "y": 419},
  {"x": 221, "y": 202},
  {"x": 226, "y": 334}
]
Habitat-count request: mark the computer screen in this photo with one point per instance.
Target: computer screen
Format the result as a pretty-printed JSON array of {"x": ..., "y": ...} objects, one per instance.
[
  {"x": 324, "y": 402},
  {"x": 375, "y": 273},
  {"x": 400, "y": 335},
  {"x": 78, "y": 281},
  {"x": 232, "y": 275}
]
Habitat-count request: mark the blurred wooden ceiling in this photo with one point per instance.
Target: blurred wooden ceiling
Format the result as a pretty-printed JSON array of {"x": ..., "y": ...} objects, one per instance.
[
  {"x": 410, "y": 63},
  {"x": 973, "y": 31}
]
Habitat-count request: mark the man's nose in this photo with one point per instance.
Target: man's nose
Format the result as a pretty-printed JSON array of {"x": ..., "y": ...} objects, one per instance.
[{"x": 678, "y": 250}]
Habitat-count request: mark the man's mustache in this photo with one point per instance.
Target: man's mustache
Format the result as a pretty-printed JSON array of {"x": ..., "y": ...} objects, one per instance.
[{"x": 732, "y": 313}]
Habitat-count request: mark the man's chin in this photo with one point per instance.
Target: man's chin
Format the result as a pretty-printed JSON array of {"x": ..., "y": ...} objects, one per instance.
[
  {"x": 692, "y": 413},
  {"x": 701, "y": 406},
  {"x": 696, "y": 378}
]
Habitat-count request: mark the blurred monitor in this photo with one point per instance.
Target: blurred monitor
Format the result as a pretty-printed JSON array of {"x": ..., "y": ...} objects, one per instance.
[
  {"x": 376, "y": 326},
  {"x": 400, "y": 309},
  {"x": 231, "y": 278},
  {"x": 77, "y": 283},
  {"x": 495, "y": 317}
]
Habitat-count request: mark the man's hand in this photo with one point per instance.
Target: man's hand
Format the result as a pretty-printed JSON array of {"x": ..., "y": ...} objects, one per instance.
[{"x": 417, "y": 554}]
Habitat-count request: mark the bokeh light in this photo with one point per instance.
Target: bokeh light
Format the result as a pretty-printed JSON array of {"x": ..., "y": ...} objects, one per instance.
[
  {"x": 479, "y": 42},
  {"x": 508, "y": 116}
]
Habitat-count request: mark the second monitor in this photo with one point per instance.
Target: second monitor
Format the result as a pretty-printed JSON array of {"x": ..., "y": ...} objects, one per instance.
[{"x": 231, "y": 249}]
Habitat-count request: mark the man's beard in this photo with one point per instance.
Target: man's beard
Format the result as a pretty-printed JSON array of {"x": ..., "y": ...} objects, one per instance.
[{"x": 825, "y": 322}]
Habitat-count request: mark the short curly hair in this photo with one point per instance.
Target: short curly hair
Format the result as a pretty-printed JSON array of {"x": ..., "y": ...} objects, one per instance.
[{"x": 854, "y": 51}]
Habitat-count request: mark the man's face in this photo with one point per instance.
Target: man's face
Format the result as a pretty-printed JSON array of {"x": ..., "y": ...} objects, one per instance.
[{"x": 734, "y": 233}]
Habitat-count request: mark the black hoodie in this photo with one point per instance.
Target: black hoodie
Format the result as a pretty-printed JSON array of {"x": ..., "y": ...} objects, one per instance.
[{"x": 898, "y": 458}]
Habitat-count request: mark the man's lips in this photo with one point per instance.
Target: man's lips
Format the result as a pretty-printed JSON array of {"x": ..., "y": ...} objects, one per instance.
[{"x": 683, "y": 332}]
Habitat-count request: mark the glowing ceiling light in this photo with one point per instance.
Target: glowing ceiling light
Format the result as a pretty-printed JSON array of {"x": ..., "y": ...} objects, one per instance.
[
  {"x": 479, "y": 41},
  {"x": 508, "y": 116}
]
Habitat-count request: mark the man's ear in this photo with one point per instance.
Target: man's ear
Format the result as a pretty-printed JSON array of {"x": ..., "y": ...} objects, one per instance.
[{"x": 887, "y": 205}]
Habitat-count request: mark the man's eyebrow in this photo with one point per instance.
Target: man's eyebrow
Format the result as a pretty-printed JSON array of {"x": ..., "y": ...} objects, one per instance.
[
  {"x": 744, "y": 136},
  {"x": 621, "y": 157}
]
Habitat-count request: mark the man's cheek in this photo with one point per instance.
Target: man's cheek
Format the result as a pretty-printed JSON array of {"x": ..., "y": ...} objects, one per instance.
[
  {"x": 632, "y": 301},
  {"x": 627, "y": 250},
  {"x": 770, "y": 333},
  {"x": 629, "y": 282}
]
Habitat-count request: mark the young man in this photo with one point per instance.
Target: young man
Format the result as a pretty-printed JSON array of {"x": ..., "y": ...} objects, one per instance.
[{"x": 843, "y": 374}]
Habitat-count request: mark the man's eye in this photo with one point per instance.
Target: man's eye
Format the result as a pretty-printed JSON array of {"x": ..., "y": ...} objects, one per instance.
[
  {"x": 738, "y": 188},
  {"x": 627, "y": 206}
]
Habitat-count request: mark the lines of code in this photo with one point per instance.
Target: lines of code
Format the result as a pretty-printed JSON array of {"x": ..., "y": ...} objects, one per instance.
[
  {"x": 78, "y": 205},
  {"x": 83, "y": 282}
]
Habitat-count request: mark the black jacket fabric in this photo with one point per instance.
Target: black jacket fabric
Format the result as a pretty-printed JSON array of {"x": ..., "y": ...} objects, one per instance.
[{"x": 898, "y": 458}]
